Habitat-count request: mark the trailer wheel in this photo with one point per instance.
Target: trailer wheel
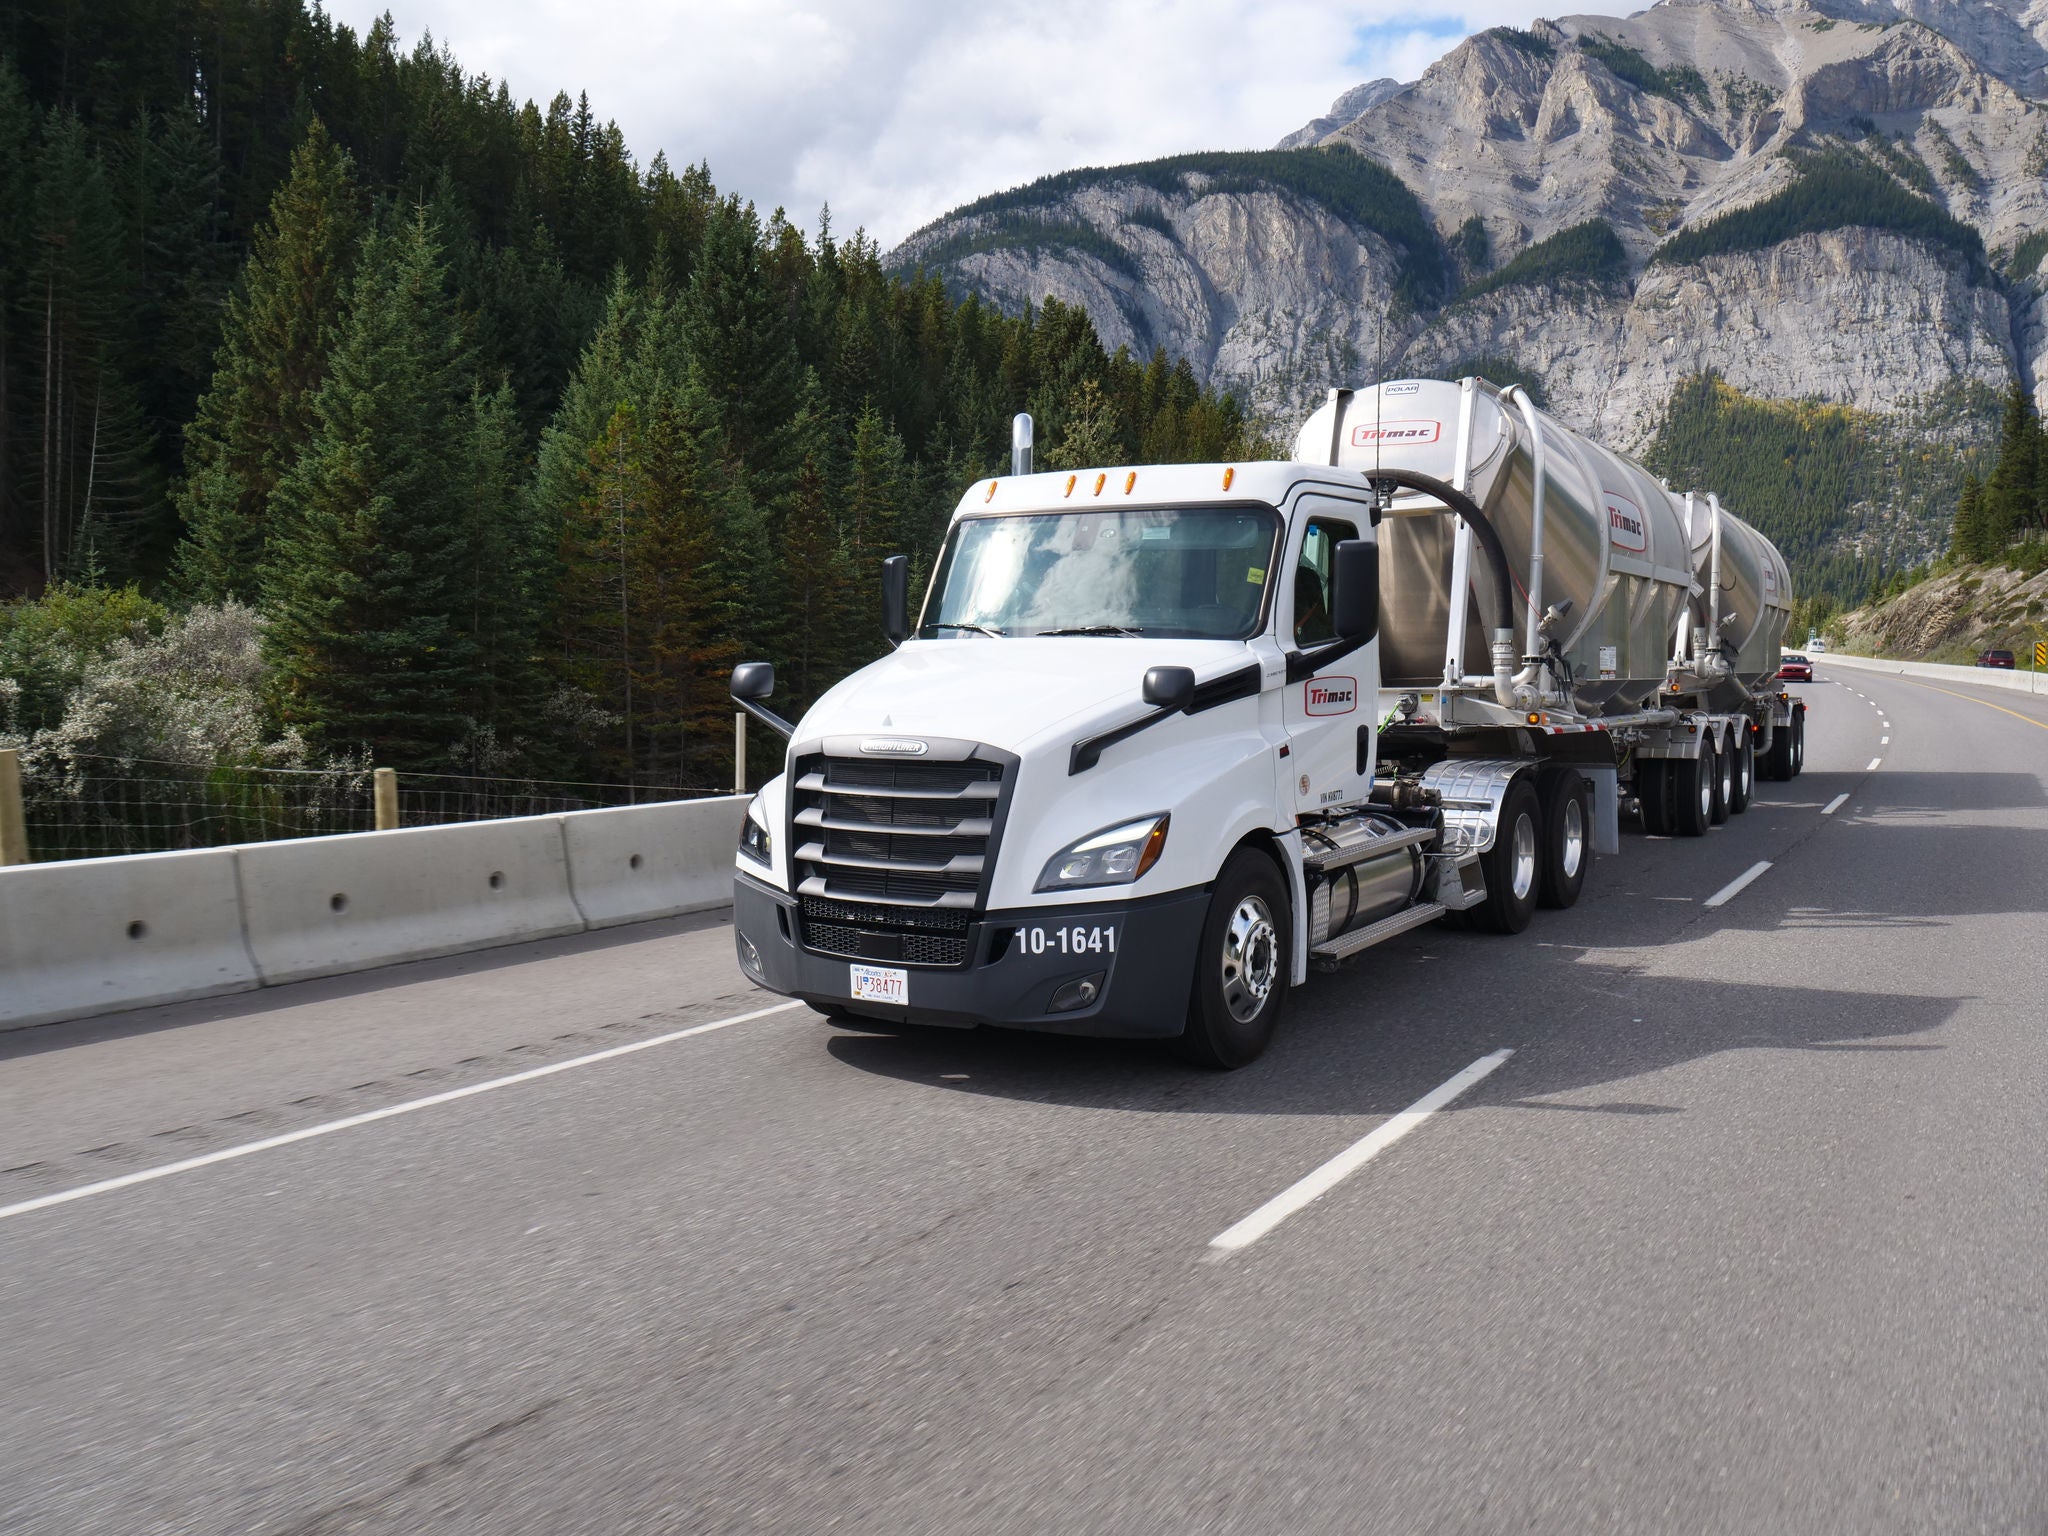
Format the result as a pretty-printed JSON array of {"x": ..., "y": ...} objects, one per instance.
[
  {"x": 1724, "y": 784},
  {"x": 1652, "y": 796},
  {"x": 1745, "y": 770},
  {"x": 1240, "y": 967},
  {"x": 1778, "y": 761},
  {"x": 1513, "y": 866},
  {"x": 1692, "y": 792},
  {"x": 1567, "y": 836},
  {"x": 1798, "y": 742}
]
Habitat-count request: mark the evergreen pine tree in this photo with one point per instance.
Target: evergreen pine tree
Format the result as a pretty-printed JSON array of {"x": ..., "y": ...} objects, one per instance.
[
  {"x": 17, "y": 154},
  {"x": 1966, "y": 536},
  {"x": 740, "y": 340},
  {"x": 2009, "y": 495},
  {"x": 257, "y": 416},
  {"x": 507, "y": 567},
  {"x": 365, "y": 584}
]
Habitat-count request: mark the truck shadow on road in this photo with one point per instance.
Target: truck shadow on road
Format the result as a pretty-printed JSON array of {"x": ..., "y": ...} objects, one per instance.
[{"x": 1367, "y": 1044}]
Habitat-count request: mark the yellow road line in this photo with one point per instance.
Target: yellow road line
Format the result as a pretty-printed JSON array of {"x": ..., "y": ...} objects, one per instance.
[{"x": 1970, "y": 699}]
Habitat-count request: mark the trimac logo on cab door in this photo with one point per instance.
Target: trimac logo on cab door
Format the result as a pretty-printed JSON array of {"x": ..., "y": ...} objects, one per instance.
[
  {"x": 1330, "y": 695},
  {"x": 1625, "y": 525},
  {"x": 1396, "y": 432}
]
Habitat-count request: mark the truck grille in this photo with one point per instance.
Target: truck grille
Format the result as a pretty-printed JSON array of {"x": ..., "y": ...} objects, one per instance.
[{"x": 891, "y": 856}]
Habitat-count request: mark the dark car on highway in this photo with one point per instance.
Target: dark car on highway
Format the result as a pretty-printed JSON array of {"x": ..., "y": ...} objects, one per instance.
[
  {"x": 1795, "y": 669},
  {"x": 1996, "y": 659}
]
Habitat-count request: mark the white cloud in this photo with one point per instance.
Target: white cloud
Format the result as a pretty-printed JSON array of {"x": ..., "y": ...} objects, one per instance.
[{"x": 894, "y": 111}]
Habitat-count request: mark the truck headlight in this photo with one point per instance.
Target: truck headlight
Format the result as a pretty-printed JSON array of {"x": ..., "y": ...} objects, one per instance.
[
  {"x": 755, "y": 841},
  {"x": 1114, "y": 856}
]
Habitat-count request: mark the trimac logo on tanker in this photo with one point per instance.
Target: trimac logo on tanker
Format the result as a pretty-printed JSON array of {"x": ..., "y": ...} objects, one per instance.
[
  {"x": 1625, "y": 525},
  {"x": 1396, "y": 432}
]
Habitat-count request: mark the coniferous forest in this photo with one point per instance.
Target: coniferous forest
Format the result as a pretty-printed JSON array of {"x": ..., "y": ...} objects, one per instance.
[{"x": 377, "y": 413}]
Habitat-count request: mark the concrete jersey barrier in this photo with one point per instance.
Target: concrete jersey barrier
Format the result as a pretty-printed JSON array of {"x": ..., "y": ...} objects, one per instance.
[
  {"x": 660, "y": 860},
  {"x": 93, "y": 935},
  {"x": 1982, "y": 677},
  {"x": 321, "y": 905}
]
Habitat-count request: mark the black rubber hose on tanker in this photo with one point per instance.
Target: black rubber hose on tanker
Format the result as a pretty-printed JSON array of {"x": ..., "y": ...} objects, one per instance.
[{"x": 1464, "y": 506}]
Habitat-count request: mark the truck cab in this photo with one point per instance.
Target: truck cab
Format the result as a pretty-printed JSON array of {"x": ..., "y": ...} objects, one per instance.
[{"x": 1073, "y": 797}]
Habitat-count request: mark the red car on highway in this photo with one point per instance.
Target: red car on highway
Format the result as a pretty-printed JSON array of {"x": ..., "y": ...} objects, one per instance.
[
  {"x": 1795, "y": 669},
  {"x": 1996, "y": 659}
]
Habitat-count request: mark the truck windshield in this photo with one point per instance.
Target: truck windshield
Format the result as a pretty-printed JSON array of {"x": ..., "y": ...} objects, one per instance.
[{"x": 1189, "y": 573}]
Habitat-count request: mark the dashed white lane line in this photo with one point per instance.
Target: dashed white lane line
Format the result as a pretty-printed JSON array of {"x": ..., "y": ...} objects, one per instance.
[
  {"x": 1873, "y": 765},
  {"x": 1350, "y": 1160},
  {"x": 1735, "y": 887},
  {"x": 390, "y": 1111},
  {"x": 1833, "y": 805},
  {"x": 1884, "y": 741}
]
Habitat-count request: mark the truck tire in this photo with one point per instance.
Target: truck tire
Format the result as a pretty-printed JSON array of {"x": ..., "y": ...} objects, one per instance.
[
  {"x": 1692, "y": 793},
  {"x": 1778, "y": 760},
  {"x": 1513, "y": 866},
  {"x": 1653, "y": 793},
  {"x": 1798, "y": 742},
  {"x": 1567, "y": 836},
  {"x": 1724, "y": 783},
  {"x": 1240, "y": 967},
  {"x": 1745, "y": 770}
]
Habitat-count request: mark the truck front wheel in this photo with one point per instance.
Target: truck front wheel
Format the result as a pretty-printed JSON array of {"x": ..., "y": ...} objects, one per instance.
[{"x": 1241, "y": 966}]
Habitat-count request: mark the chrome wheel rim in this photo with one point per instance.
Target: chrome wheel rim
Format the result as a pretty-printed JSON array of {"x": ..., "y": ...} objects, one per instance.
[
  {"x": 1522, "y": 870},
  {"x": 1251, "y": 959},
  {"x": 1727, "y": 761},
  {"x": 1574, "y": 850},
  {"x": 1706, "y": 789}
]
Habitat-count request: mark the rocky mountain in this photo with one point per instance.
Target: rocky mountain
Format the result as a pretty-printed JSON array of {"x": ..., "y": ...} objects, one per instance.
[
  {"x": 1951, "y": 617},
  {"x": 1830, "y": 203}
]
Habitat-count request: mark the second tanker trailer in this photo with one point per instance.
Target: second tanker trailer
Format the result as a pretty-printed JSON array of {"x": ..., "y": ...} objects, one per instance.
[{"x": 1161, "y": 738}]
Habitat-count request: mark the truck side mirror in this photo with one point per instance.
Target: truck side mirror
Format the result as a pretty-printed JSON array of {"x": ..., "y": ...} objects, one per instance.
[
  {"x": 896, "y": 599},
  {"x": 1355, "y": 606},
  {"x": 1169, "y": 687},
  {"x": 753, "y": 680}
]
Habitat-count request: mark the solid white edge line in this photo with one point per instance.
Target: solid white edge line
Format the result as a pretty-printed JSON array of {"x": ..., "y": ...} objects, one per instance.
[
  {"x": 1352, "y": 1158},
  {"x": 1873, "y": 765},
  {"x": 1735, "y": 887},
  {"x": 1835, "y": 804},
  {"x": 390, "y": 1111}
]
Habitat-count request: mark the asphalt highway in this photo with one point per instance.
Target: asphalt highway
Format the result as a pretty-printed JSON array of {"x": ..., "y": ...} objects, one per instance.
[{"x": 1748, "y": 1234}]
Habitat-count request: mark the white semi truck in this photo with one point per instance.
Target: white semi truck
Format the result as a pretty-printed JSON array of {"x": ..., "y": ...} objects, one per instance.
[{"x": 1162, "y": 738}]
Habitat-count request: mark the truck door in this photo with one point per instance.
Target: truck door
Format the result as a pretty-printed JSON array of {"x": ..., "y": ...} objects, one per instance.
[{"x": 1324, "y": 708}]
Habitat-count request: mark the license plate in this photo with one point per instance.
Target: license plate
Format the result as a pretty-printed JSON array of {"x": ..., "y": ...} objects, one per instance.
[{"x": 880, "y": 984}]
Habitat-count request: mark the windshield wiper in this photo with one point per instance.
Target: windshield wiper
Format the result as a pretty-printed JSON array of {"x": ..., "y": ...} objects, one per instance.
[
  {"x": 975, "y": 629},
  {"x": 1091, "y": 629}
]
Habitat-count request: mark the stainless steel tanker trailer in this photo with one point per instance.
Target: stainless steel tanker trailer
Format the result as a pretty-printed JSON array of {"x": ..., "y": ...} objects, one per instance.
[
  {"x": 1160, "y": 738},
  {"x": 1646, "y": 625}
]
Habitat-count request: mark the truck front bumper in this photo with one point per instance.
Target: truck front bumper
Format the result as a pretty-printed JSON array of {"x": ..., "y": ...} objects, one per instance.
[{"x": 1020, "y": 973}]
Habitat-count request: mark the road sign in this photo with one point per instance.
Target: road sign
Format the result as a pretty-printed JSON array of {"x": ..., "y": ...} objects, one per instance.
[{"x": 2041, "y": 653}]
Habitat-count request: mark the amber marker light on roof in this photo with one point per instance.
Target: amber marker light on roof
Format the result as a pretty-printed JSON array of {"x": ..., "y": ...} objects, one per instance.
[
  {"x": 1130, "y": 482},
  {"x": 1100, "y": 482},
  {"x": 1070, "y": 484},
  {"x": 991, "y": 496},
  {"x": 1229, "y": 475}
]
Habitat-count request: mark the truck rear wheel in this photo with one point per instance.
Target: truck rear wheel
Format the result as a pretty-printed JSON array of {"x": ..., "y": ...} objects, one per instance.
[
  {"x": 1724, "y": 783},
  {"x": 1778, "y": 760},
  {"x": 1653, "y": 794},
  {"x": 1744, "y": 778},
  {"x": 1241, "y": 966},
  {"x": 1567, "y": 836},
  {"x": 1798, "y": 742},
  {"x": 1513, "y": 865},
  {"x": 1692, "y": 793}
]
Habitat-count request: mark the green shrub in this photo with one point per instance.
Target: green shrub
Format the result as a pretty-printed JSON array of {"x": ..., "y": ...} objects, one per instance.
[
  {"x": 1833, "y": 190},
  {"x": 1586, "y": 253}
]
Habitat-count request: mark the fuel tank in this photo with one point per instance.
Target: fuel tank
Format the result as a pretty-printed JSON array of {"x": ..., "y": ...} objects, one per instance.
[{"x": 1616, "y": 546}]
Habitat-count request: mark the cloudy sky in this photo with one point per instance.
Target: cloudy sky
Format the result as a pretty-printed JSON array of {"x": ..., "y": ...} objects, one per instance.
[{"x": 893, "y": 111}]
